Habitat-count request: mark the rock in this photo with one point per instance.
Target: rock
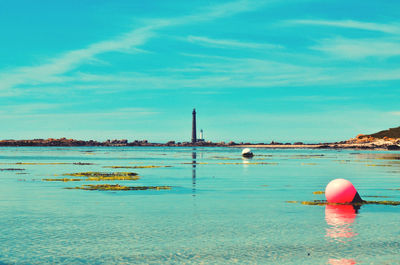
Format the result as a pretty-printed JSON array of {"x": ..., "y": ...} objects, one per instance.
[
  {"x": 393, "y": 147},
  {"x": 247, "y": 152}
]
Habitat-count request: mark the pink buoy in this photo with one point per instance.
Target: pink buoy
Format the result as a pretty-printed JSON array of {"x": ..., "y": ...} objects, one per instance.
[{"x": 341, "y": 191}]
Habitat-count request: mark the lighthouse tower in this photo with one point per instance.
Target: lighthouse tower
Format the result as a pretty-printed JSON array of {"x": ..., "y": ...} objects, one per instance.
[{"x": 194, "y": 137}]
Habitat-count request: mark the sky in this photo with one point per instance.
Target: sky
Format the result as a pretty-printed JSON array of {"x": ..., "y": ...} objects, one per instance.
[{"x": 256, "y": 71}]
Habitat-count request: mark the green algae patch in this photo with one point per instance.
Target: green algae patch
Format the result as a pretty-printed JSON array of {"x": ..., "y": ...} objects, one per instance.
[
  {"x": 323, "y": 202},
  {"x": 197, "y": 163},
  {"x": 47, "y": 163},
  {"x": 96, "y": 176},
  {"x": 12, "y": 169},
  {"x": 224, "y": 158},
  {"x": 116, "y": 187},
  {"x": 249, "y": 163},
  {"x": 135, "y": 166},
  {"x": 63, "y": 179},
  {"x": 318, "y": 192},
  {"x": 378, "y": 165},
  {"x": 103, "y": 176},
  {"x": 245, "y": 162}
]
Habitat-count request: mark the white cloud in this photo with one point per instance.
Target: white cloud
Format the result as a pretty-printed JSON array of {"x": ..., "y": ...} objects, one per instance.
[
  {"x": 359, "y": 48},
  {"x": 353, "y": 24},
  {"x": 230, "y": 43},
  {"x": 54, "y": 69},
  {"x": 51, "y": 72},
  {"x": 50, "y": 111}
]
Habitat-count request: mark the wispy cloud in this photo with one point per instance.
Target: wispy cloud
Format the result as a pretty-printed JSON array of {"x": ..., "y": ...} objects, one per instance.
[
  {"x": 47, "y": 111},
  {"x": 359, "y": 48},
  {"x": 356, "y": 48},
  {"x": 353, "y": 24},
  {"x": 223, "y": 43},
  {"x": 54, "y": 69},
  {"x": 219, "y": 72}
]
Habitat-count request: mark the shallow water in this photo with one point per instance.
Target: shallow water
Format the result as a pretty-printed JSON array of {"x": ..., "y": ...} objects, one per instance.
[{"x": 221, "y": 208}]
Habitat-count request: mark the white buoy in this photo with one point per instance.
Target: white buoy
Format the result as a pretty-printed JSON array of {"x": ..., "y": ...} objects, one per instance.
[{"x": 247, "y": 152}]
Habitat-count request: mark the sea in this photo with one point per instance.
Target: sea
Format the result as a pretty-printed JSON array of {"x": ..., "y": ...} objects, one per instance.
[{"x": 220, "y": 208}]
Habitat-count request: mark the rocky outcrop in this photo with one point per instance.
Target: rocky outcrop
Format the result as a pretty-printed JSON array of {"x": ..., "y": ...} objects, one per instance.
[
  {"x": 368, "y": 141},
  {"x": 390, "y": 133}
]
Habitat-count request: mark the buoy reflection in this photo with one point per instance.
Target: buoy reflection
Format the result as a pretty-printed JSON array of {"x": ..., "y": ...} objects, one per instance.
[
  {"x": 342, "y": 261},
  {"x": 340, "y": 219}
]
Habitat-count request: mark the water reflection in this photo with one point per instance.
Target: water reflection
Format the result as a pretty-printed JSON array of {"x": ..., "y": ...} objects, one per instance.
[
  {"x": 384, "y": 156},
  {"x": 246, "y": 161},
  {"x": 194, "y": 157},
  {"x": 340, "y": 219},
  {"x": 342, "y": 261}
]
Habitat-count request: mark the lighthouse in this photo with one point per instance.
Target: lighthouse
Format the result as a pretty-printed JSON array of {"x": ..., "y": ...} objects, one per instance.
[{"x": 194, "y": 137}]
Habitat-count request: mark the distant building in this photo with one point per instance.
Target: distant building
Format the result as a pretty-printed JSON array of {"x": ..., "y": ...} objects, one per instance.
[
  {"x": 201, "y": 138},
  {"x": 194, "y": 133},
  {"x": 194, "y": 137}
]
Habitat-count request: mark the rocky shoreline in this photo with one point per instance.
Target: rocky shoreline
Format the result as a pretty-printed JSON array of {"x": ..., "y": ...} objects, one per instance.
[{"x": 359, "y": 142}]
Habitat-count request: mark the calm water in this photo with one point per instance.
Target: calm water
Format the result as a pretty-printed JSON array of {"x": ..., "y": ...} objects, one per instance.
[{"x": 221, "y": 209}]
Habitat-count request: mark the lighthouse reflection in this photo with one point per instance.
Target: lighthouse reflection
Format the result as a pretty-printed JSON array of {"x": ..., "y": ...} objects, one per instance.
[{"x": 194, "y": 157}]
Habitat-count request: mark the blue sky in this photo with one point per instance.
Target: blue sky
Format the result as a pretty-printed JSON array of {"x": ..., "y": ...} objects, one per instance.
[{"x": 295, "y": 70}]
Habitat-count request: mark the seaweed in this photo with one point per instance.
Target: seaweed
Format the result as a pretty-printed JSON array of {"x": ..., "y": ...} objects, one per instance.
[
  {"x": 12, "y": 169},
  {"x": 63, "y": 179},
  {"x": 47, "y": 163},
  {"x": 34, "y": 163},
  {"x": 250, "y": 163},
  {"x": 135, "y": 166},
  {"x": 323, "y": 202},
  {"x": 117, "y": 187},
  {"x": 319, "y": 192},
  {"x": 224, "y": 158},
  {"x": 97, "y": 176}
]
